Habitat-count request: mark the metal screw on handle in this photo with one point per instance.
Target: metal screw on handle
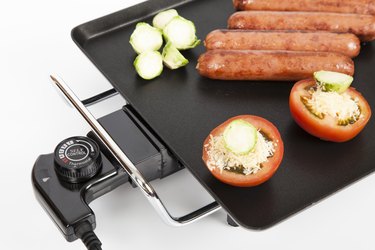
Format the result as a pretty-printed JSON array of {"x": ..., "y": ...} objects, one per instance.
[{"x": 128, "y": 166}]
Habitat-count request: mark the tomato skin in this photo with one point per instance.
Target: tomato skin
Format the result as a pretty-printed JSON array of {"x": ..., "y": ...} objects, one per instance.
[
  {"x": 268, "y": 168},
  {"x": 326, "y": 129}
]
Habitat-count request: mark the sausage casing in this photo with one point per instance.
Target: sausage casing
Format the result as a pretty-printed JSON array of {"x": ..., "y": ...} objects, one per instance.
[
  {"x": 340, "y": 6},
  {"x": 345, "y": 43},
  {"x": 361, "y": 25},
  {"x": 270, "y": 65}
]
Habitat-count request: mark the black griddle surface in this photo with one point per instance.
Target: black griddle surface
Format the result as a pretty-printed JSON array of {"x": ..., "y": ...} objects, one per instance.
[{"x": 182, "y": 108}]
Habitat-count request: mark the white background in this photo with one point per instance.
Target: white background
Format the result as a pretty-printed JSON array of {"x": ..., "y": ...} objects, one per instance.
[{"x": 35, "y": 41}]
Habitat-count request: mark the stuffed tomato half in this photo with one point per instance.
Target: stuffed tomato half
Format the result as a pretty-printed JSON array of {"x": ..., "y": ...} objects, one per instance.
[
  {"x": 328, "y": 108},
  {"x": 243, "y": 151}
]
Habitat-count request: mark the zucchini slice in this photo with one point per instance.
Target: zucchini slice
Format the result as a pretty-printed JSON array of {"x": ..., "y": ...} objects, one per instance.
[
  {"x": 333, "y": 81},
  {"x": 146, "y": 38},
  {"x": 149, "y": 64},
  {"x": 181, "y": 33},
  {"x": 173, "y": 58},
  {"x": 163, "y": 18},
  {"x": 240, "y": 137}
]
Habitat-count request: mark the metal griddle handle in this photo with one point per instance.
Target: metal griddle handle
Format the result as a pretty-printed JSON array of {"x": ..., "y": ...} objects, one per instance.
[{"x": 129, "y": 167}]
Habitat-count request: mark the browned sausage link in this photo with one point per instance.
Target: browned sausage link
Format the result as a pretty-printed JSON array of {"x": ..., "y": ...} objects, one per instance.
[
  {"x": 339, "y": 6},
  {"x": 361, "y": 25},
  {"x": 346, "y": 43},
  {"x": 270, "y": 65}
]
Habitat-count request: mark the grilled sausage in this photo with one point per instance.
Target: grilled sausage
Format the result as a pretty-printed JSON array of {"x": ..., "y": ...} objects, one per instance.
[
  {"x": 270, "y": 65},
  {"x": 361, "y": 25},
  {"x": 339, "y": 6},
  {"x": 347, "y": 44}
]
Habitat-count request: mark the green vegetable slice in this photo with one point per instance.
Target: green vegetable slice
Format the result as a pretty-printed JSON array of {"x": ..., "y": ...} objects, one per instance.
[
  {"x": 240, "y": 137},
  {"x": 172, "y": 58},
  {"x": 163, "y": 18},
  {"x": 181, "y": 33},
  {"x": 149, "y": 64},
  {"x": 333, "y": 81},
  {"x": 146, "y": 38}
]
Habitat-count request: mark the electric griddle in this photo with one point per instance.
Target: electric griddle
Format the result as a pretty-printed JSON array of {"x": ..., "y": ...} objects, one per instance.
[{"x": 174, "y": 113}]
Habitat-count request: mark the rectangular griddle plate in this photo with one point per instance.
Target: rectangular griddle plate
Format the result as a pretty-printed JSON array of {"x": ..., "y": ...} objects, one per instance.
[{"x": 182, "y": 108}]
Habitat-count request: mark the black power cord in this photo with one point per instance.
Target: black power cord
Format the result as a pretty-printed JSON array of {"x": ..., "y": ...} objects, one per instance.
[{"x": 85, "y": 232}]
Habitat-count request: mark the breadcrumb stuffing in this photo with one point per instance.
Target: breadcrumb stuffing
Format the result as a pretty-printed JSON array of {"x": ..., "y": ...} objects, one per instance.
[
  {"x": 220, "y": 157},
  {"x": 340, "y": 106}
]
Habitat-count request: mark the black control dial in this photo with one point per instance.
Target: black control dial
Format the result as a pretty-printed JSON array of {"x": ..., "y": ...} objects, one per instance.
[{"x": 77, "y": 159}]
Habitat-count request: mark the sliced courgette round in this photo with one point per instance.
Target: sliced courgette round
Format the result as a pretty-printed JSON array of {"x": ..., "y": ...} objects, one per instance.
[
  {"x": 163, "y": 18},
  {"x": 240, "y": 137},
  {"x": 149, "y": 64},
  {"x": 146, "y": 38},
  {"x": 173, "y": 58},
  {"x": 333, "y": 81},
  {"x": 181, "y": 33}
]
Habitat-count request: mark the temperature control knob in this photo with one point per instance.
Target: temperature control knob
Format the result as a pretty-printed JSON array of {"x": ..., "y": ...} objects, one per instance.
[{"x": 77, "y": 159}]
